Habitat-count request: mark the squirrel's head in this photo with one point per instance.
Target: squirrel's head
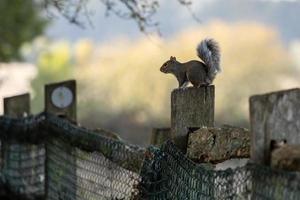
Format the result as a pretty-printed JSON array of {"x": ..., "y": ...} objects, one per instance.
[{"x": 168, "y": 65}]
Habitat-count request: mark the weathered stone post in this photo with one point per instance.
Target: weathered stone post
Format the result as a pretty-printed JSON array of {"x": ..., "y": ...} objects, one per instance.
[
  {"x": 273, "y": 116},
  {"x": 17, "y": 106},
  {"x": 21, "y": 180},
  {"x": 60, "y": 100},
  {"x": 191, "y": 107}
]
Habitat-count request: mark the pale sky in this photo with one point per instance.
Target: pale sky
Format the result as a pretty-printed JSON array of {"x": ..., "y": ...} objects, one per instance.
[{"x": 174, "y": 18}]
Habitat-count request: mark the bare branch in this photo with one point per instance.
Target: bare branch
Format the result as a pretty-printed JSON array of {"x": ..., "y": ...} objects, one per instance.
[
  {"x": 188, "y": 5},
  {"x": 69, "y": 9},
  {"x": 142, "y": 12},
  {"x": 185, "y": 2}
]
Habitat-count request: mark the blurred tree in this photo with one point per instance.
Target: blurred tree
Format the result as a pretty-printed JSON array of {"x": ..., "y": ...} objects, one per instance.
[
  {"x": 54, "y": 64},
  {"x": 21, "y": 21},
  {"x": 121, "y": 88}
]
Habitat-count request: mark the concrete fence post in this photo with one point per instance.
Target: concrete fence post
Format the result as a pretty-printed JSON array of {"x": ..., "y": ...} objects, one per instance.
[
  {"x": 17, "y": 106},
  {"x": 273, "y": 116},
  {"x": 14, "y": 152},
  {"x": 60, "y": 100},
  {"x": 191, "y": 108}
]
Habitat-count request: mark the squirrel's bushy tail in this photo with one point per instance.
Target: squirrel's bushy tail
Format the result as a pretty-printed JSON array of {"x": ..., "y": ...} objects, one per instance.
[{"x": 208, "y": 50}]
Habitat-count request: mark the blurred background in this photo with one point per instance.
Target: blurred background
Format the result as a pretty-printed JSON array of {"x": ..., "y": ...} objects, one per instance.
[{"x": 116, "y": 61}]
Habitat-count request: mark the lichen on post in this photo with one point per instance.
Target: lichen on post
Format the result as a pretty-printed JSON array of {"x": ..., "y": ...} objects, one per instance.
[{"x": 215, "y": 145}]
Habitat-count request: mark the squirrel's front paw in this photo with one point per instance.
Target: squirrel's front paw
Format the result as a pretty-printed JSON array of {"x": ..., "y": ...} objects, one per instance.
[
  {"x": 183, "y": 88},
  {"x": 184, "y": 85}
]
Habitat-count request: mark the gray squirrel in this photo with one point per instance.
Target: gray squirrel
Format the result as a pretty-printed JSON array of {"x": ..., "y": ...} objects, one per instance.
[{"x": 197, "y": 72}]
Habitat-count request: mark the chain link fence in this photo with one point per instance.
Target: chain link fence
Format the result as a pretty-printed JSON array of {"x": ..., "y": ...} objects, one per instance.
[{"x": 47, "y": 157}]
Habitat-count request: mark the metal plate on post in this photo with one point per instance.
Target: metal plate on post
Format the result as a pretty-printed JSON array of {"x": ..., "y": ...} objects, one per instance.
[{"x": 62, "y": 97}]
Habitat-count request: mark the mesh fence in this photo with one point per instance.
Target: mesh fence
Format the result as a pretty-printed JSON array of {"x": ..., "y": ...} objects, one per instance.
[
  {"x": 22, "y": 164},
  {"x": 89, "y": 166},
  {"x": 63, "y": 161},
  {"x": 168, "y": 174},
  {"x": 76, "y": 174},
  {"x": 24, "y": 168},
  {"x": 44, "y": 155},
  {"x": 274, "y": 184}
]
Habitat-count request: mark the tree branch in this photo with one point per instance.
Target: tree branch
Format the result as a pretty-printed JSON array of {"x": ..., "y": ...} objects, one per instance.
[{"x": 140, "y": 11}]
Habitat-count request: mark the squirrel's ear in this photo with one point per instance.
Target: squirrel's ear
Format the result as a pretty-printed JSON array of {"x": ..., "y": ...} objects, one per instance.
[{"x": 172, "y": 58}]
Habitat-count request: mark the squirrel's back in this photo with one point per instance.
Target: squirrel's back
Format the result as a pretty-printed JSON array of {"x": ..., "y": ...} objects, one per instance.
[{"x": 196, "y": 72}]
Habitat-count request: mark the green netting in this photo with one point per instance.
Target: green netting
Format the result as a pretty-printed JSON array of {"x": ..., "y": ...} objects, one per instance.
[
  {"x": 100, "y": 169},
  {"x": 79, "y": 163},
  {"x": 274, "y": 184},
  {"x": 168, "y": 174},
  {"x": 24, "y": 168},
  {"x": 47, "y": 156},
  {"x": 76, "y": 174}
]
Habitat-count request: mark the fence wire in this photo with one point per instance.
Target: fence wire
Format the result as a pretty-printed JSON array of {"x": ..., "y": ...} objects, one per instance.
[
  {"x": 78, "y": 163},
  {"x": 77, "y": 174},
  {"x": 47, "y": 156},
  {"x": 168, "y": 174},
  {"x": 22, "y": 164},
  {"x": 24, "y": 168}
]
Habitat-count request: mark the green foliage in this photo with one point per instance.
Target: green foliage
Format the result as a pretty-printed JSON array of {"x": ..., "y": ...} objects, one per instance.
[
  {"x": 54, "y": 64},
  {"x": 20, "y": 22}
]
